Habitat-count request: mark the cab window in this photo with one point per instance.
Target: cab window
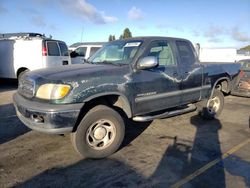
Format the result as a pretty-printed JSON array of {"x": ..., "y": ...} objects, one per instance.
[
  {"x": 162, "y": 51},
  {"x": 81, "y": 51},
  {"x": 185, "y": 52}
]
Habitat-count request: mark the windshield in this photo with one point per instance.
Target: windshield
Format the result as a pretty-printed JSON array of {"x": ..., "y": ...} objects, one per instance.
[
  {"x": 118, "y": 52},
  {"x": 245, "y": 64}
]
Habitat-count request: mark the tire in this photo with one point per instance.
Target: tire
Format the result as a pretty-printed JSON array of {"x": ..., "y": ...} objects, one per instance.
[
  {"x": 211, "y": 108},
  {"x": 99, "y": 134}
]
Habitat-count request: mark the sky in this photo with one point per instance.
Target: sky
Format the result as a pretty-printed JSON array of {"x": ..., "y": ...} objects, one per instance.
[{"x": 212, "y": 23}]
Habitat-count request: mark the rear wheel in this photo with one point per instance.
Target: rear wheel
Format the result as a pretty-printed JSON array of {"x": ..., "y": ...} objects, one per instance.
[
  {"x": 212, "y": 108},
  {"x": 100, "y": 133}
]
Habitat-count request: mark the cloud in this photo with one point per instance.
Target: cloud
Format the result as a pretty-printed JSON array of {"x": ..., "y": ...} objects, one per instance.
[
  {"x": 30, "y": 11},
  {"x": 135, "y": 14},
  {"x": 215, "y": 33},
  {"x": 83, "y": 10},
  {"x": 240, "y": 36},
  {"x": 35, "y": 17},
  {"x": 38, "y": 20},
  {"x": 3, "y": 10}
]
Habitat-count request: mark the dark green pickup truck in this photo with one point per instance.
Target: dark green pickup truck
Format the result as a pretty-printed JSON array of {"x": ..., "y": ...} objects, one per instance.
[{"x": 142, "y": 78}]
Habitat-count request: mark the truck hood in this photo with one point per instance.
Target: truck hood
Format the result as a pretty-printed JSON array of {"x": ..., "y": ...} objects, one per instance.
[
  {"x": 76, "y": 72},
  {"x": 85, "y": 79}
]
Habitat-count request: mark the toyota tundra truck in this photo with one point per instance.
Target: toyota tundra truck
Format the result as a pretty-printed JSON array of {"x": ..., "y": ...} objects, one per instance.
[{"x": 143, "y": 79}]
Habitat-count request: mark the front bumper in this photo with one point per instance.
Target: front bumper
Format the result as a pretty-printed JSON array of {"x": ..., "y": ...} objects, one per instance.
[{"x": 47, "y": 118}]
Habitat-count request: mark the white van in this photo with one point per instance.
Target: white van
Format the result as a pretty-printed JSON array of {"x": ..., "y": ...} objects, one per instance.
[
  {"x": 29, "y": 51},
  {"x": 82, "y": 51}
]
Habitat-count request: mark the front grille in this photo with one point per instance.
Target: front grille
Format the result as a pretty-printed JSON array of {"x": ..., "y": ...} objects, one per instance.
[{"x": 26, "y": 87}]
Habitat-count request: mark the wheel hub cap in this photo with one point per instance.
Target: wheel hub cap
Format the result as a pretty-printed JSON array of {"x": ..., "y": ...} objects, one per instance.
[
  {"x": 213, "y": 105},
  {"x": 100, "y": 133}
]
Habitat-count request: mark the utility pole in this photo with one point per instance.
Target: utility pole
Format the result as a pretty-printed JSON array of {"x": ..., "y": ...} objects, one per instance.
[{"x": 82, "y": 33}]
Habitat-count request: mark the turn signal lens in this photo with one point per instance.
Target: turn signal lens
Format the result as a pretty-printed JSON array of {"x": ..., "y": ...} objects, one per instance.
[{"x": 52, "y": 91}]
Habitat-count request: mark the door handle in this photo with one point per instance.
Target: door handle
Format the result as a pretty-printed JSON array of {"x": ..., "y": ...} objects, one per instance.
[{"x": 65, "y": 62}]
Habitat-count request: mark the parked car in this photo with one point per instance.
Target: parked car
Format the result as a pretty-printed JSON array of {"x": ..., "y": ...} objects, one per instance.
[
  {"x": 20, "y": 52},
  {"x": 142, "y": 78},
  {"x": 242, "y": 83},
  {"x": 82, "y": 51}
]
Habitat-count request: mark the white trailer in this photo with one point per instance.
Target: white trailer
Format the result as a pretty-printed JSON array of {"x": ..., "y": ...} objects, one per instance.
[{"x": 217, "y": 54}]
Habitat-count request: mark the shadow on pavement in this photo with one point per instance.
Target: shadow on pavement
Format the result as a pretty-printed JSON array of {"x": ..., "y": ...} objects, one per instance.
[
  {"x": 180, "y": 159},
  {"x": 133, "y": 130},
  {"x": 238, "y": 167},
  {"x": 10, "y": 126}
]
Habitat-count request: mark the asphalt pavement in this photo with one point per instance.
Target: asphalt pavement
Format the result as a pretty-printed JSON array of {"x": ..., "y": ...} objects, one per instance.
[{"x": 182, "y": 151}]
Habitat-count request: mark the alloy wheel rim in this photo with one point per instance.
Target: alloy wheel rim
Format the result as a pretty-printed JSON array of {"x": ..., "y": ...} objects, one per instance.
[
  {"x": 101, "y": 134},
  {"x": 213, "y": 105}
]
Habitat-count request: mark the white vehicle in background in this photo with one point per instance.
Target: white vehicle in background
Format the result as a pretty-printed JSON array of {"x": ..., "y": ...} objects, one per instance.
[
  {"x": 20, "y": 52},
  {"x": 82, "y": 51},
  {"x": 220, "y": 55}
]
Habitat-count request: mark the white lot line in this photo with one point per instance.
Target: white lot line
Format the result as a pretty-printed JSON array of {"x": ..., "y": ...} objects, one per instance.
[{"x": 209, "y": 165}]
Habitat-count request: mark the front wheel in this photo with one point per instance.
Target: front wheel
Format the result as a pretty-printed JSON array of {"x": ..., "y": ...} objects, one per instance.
[
  {"x": 100, "y": 133},
  {"x": 211, "y": 108}
]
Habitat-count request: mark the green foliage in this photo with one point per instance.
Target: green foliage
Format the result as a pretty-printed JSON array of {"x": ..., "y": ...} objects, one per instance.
[
  {"x": 247, "y": 48},
  {"x": 126, "y": 34},
  {"x": 111, "y": 37}
]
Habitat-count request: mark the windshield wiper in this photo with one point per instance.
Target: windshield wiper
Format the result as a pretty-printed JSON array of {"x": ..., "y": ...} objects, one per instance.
[{"x": 107, "y": 63}]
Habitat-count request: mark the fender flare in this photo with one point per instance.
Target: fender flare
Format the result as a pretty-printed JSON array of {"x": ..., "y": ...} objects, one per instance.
[
  {"x": 121, "y": 102},
  {"x": 220, "y": 79}
]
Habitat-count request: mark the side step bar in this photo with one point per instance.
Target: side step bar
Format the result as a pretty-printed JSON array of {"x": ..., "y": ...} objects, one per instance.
[{"x": 189, "y": 108}]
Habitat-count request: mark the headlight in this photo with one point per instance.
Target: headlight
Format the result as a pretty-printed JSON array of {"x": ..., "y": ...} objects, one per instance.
[{"x": 52, "y": 91}]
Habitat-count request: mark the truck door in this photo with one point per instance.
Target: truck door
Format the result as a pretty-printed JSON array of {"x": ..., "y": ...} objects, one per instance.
[
  {"x": 157, "y": 88},
  {"x": 191, "y": 72}
]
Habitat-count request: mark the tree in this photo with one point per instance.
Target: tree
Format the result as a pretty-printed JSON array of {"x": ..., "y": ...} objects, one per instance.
[
  {"x": 111, "y": 37},
  {"x": 247, "y": 48},
  {"x": 126, "y": 33}
]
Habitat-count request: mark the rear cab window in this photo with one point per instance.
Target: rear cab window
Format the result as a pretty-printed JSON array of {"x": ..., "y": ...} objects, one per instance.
[{"x": 186, "y": 53}]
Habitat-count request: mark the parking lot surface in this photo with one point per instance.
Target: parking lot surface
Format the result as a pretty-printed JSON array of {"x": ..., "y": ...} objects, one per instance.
[{"x": 182, "y": 151}]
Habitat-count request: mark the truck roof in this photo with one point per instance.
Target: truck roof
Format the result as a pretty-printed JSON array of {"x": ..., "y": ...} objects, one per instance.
[
  {"x": 86, "y": 43},
  {"x": 22, "y": 34},
  {"x": 149, "y": 38},
  {"x": 25, "y": 36}
]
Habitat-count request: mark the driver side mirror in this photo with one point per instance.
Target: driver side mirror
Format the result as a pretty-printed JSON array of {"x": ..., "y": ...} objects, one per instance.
[{"x": 147, "y": 62}]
